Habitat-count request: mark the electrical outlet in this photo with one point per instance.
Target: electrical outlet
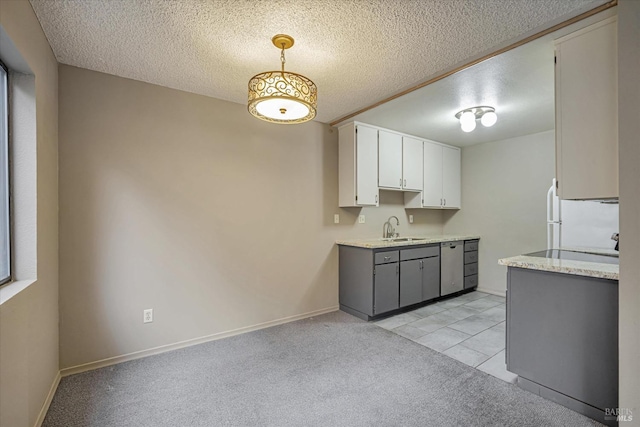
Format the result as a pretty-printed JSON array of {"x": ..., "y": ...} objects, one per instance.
[
  {"x": 361, "y": 219},
  {"x": 336, "y": 219},
  {"x": 147, "y": 315},
  {"x": 410, "y": 219}
]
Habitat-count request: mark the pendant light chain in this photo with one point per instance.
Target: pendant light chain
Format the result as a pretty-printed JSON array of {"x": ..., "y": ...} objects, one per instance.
[{"x": 282, "y": 57}]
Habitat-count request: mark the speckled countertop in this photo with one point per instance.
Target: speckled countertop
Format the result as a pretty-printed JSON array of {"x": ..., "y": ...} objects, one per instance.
[
  {"x": 578, "y": 268},
  {"x": 418, "y": 240}
]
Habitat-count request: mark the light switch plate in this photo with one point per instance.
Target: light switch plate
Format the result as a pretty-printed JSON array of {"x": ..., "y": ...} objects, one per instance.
[
  {"x": 361, "y": 219},
  {"x": 410, "y": 219},
  {"x": 336, "y": 219}
]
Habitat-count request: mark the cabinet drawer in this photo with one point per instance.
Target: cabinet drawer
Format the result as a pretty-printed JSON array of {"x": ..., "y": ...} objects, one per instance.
[
  {"x": 427, "y": 252},
  {"x": 471, "y": 281},
  {"x": 470, "y": 257},
  {"x": 385, "y": 257},
  {"x": 471, "y": 269},
  {"x": 470, "y": 245}
]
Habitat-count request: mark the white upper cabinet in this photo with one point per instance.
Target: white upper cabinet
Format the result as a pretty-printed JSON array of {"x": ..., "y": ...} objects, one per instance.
[
  {"x": 389, "y": 160},
  {"x": 451, "y": 172},
  {"x": 358, "y": 166},
  {"x": 432, "y": 193},
  {"x": 399, "y": 162},
  {"x": 587, "y": 112},
  {"x": 411, "y": 164},
  {"x": 371, "y": 158},
  {"x": 441, "y": 186}
]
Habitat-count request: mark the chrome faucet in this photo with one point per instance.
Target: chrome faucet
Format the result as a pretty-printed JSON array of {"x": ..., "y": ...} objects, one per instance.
[{"x": 388, "y": 232}]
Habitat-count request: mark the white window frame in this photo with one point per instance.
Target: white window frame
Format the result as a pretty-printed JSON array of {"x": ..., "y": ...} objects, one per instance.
[{"x": 5, "y": 193}]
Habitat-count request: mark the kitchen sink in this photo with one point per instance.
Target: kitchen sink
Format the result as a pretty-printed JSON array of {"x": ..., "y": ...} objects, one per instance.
[{"x": 407, "y": 239}]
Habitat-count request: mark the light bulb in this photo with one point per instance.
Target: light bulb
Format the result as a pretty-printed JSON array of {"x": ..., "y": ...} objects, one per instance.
[
  {"x": 282, "y": 109},
  {"x": 467, "y": 126},
  {"x": 489, "y": 119},
  {"x": 467, "y": 118}
]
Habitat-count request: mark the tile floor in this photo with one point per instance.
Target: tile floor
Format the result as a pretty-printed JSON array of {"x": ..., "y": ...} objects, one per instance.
[{"x": 469, "y": 328}]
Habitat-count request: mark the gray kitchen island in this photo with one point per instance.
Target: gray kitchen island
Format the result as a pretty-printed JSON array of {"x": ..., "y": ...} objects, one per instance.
[{"x": 562, "y": 329}]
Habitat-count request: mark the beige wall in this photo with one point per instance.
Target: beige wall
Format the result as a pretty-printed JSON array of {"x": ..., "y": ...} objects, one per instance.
[
  {"x": 629, "y": 147},
  {"x": 504, "y": 189},
  {"x": 29, "y": 319},
  {"x": 188, "y": 205}
]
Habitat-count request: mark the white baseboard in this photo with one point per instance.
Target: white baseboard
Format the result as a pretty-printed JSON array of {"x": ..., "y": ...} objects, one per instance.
[
  {"x": 188, "y": 343},
  {"x": 492, "y": 291},
  {"x": 47, "y": 401}
]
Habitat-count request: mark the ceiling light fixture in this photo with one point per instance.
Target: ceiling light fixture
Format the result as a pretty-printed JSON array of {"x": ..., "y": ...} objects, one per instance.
[
  {"x": 468, "y": 117},
  {"x": 281, "y": 96}
]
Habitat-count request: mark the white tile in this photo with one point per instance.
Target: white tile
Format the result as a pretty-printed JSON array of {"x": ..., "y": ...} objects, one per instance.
[
  {"x": 482, "y": 304},
  {"x": 442, "y": 339},
  {"x": 450, "y": 303},
  {"x": 488, "y": 342},
  {"x": 428, "y": 310},
  {"x": 409, "y": 331},
  {"x": 462, "y": 312},
  {"x": 496, "y": 298},
  {"x": 497, "y": 314},
  {"x": 502, "y": 327},
  {"x": 466, "y": 355},
  {"x": 397, "y": 320},
  {"x": 472, "y": 296},
  {"x": 497, "y": 367},
  {"x": 473, "y": 325},
  {"x": 434, "y": 322}
]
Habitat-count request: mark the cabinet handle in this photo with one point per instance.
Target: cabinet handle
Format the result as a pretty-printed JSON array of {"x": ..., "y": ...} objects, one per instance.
[
  {"x": 405, "y": 182},
  {"x": 421, "y": 266},
  {"x": 400, "y": 182},
  {"x": 397, "y": 270},
  {"x": 376, "y": 198},
  {"x": 387, "y": 258},
  {"x": 445, "y": 202},
  {"x": 441, "y": 202}
]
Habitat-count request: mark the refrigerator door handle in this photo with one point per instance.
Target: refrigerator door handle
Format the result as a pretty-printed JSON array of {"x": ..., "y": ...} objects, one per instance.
[{"x": 550, "y": 204}]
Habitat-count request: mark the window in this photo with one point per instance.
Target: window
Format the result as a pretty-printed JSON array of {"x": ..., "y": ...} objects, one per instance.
[{"x": 5, "y": 220}]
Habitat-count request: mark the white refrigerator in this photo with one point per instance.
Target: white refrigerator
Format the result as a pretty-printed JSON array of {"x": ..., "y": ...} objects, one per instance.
[{"x": 580, "y": 223}]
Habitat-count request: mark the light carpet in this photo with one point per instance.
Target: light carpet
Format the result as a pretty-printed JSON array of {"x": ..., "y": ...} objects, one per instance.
[{"x": 331, "y": 370}]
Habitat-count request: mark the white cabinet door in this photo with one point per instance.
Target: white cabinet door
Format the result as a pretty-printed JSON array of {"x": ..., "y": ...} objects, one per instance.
[
  {"x": 389, "y": 160},
  {"x": 366, "y": 166},
  {"x": 451, "y": 177},
  {"x": 432, "y": 191},
  {"x": 587, "y": 113},
  {"x": 412, "y": 161}
]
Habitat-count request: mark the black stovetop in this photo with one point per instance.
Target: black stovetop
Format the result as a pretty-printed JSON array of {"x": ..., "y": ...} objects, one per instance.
[{"x": 575, "y": 256}]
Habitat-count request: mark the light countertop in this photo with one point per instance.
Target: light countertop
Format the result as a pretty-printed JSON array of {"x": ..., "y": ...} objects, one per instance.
[
  {"x": 388, "y": 243},
  {"x": 578, "y": 268}
]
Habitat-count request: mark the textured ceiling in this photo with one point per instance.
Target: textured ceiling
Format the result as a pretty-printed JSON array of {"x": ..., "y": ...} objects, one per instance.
[
  {"x": 519, "y": 84},
  {"x": 356, "y": 51}
]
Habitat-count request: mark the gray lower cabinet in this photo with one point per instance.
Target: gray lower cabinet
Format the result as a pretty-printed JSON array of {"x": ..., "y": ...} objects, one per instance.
[
  {"x": 430, "y": 278},
  {"x": 470, "y": 264},
  {"x": 369, "y": 281},
  {"x": 410, "y": 282},
  {"x": 562, "y": 338},
  {"x": 378, "y": 281},
  {"x": 419, "y": 278},
  {"x": 385, "y": 287}
]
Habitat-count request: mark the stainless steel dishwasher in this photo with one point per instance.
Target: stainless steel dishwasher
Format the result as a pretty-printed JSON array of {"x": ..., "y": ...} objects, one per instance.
[{"x": 451, "y": 267}]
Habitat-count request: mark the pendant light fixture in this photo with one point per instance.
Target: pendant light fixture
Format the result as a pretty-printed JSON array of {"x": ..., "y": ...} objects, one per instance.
[
  {"x": 468, "y": 117},
  {"x": 281, "y": 96}
]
